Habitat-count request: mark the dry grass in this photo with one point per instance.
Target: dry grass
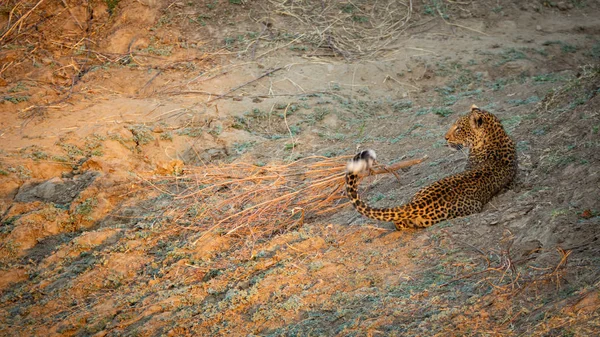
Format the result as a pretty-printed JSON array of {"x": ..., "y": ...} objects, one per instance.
[
  {"x": 350, "y": 29},
  {"x": 243, "y": 199},
  {"x": 575, "y": 92},
  {"x": 502, "y": 272}
]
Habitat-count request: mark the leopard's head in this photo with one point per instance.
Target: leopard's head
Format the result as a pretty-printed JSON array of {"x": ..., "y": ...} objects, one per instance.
[{"x": 472, "y": 129}]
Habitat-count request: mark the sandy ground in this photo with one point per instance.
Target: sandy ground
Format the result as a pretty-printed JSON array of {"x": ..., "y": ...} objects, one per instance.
[{"x": 111, "y": 111}]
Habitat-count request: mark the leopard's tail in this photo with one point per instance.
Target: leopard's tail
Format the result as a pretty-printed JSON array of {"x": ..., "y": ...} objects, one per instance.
[{"x": 362, "y": 163}]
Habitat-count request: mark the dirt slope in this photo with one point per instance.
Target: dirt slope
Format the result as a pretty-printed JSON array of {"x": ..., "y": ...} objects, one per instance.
[{"x": 111, "y": 112}]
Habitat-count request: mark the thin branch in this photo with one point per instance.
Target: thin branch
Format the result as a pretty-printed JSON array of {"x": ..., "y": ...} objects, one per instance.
[{"x": 244, "y": 84}]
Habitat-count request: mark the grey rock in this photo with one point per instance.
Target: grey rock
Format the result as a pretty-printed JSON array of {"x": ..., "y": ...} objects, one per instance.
[{"x": 56, "y": 190}]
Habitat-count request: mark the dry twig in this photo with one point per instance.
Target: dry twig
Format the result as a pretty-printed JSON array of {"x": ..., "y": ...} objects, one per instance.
[
  {"x": 244, "y": 84},
  {"x": 20, "y": 21}
]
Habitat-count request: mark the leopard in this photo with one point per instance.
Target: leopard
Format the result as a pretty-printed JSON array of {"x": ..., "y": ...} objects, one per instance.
[{"x": 491, "y": 167}]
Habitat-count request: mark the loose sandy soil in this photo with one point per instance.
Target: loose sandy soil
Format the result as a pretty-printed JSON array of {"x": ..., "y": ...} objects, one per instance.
[{"x": 113, "y": 114}]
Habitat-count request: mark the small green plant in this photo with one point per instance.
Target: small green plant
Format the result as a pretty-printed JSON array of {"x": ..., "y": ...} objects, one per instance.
[
  {"x": 19, "y": 87},
  {"x": 229, "y": 41},
  {"x": 564, "y": 47},
  {"x": 141, "y": 134},
  {"x": 401, "y": 106},
  {"x": 164, "y": 20},
  {"x": 406, "y": 133},
  {"x": 39, "y": 155},
  {"x": 217, "y": 130},
  {"x": 16, "y": 99},
  {"x": 548, "y": 78},
  {"x": 595, "y": 51},
  {"x": 190, "y": 132},
  {"x": 316, "y": 265},
  {"x": 93, "y": 145},
  {"x": 436, "y": 7},
  {"x": 166, "y": 136},
  {"x": 567, "y": 48},
  {"x": 153, "y": 47},
  {"x": 212, "y": 5},
  {"x": 510, "y": 55},
  {"x": 318, "y": 115},
  {"x": 164, "y": 51},
  {"x": 442, "y": 111},
  {"x": 73, "y": 151},
  {"x": 240, "y": 148},
  {"x": 360, "y": 18},
  {"x": 529, "y": 100},
  {"x": 200, "y": 19},
  {"x": 21, "y": 171},
  {"x": 498, "y": 84},
  {"x": 293, "y": 303},
  {"x": 85, "y": 208},
  {"x": 540, "y": 131},
  {"x": 112, "y": 5},
  {"x": 34, "y": 152},
  {"x": 334, "y": 136},
  {"x": 331, "y": 154},
  {"x": 541, "y": 51},
  {"x": 80, "y": 50},
  {"x": 8, "y": 223},
  {"x": 422, "y": 111},
  {"x": 377, "y": 197},
  {"x": 348, "y": 8}
]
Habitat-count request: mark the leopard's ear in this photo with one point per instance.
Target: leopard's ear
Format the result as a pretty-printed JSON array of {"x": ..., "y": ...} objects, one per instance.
[{"x": 476, "y": 120}]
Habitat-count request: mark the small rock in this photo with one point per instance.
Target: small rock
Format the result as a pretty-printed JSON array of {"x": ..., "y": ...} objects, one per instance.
[
  {"x": 562, "y": 6},
  {"x": 535, "y": 7},
  {"x": 538, "y": 27}
]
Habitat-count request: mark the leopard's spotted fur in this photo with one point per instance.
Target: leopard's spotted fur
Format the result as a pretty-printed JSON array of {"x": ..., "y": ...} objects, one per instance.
[{"x": 492, "y": 165}]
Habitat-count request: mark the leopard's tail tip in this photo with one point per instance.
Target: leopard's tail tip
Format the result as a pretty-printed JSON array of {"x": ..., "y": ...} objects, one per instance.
[{"x": 362, "y": 162}]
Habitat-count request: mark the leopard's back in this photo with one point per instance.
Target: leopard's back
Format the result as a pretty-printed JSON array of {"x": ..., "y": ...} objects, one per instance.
[{"x": 491, "y": 167}]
